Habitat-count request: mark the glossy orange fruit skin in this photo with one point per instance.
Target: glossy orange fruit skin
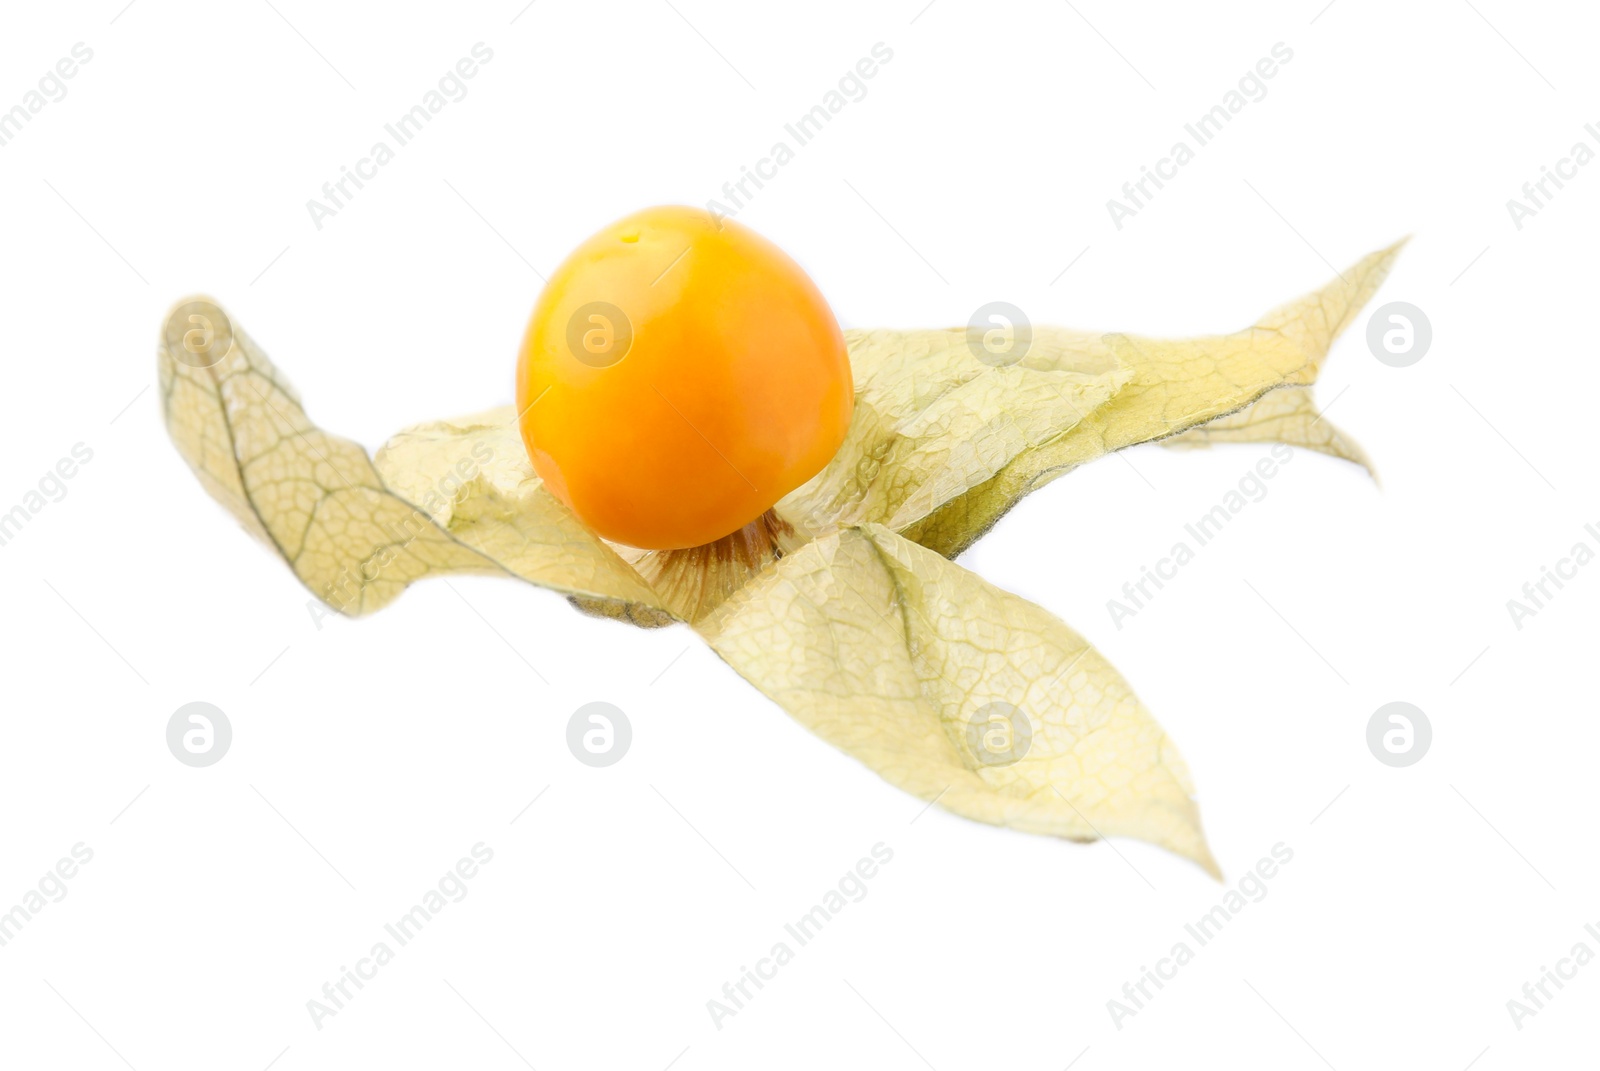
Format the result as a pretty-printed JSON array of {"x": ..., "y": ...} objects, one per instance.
[{"x": 734, "y": 389}]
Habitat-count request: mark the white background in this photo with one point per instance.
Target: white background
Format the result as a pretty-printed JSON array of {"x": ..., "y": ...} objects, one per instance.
[{"x": 369, "y": 755}]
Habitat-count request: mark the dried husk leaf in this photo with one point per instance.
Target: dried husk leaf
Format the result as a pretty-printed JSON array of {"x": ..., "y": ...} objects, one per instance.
[
  {"x": 841, "y": 604},
  {"x": 932, "y": 420},
  {"x": 504, "y": 503},
  {"x": 353, "y": 539},
  {"x": 1175, "y": 386},
  {"x": 942, "y": 444},
  {"x": 888, "y": 651},
  {"x": 1288, "y": 415}
]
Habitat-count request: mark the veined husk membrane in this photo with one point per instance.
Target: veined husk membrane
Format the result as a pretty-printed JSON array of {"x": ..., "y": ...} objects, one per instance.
[{"x": 846, "y": 609}]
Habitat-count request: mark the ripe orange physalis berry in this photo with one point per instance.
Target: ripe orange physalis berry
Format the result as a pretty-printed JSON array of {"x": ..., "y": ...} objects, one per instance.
[{"x": 680, "y": 374}]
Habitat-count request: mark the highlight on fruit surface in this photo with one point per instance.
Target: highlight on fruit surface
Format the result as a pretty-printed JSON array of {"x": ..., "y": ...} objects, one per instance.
[
  {"x": 679, "y": 376},
  {"x": 853, "y": 616}
]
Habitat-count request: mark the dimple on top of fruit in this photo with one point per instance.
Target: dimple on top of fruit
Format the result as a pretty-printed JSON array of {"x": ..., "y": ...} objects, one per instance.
[{"x": 680, "y": 374}]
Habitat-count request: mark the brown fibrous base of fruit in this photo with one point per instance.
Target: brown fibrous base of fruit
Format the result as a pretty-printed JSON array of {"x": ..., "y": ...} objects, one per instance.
[{"x": 695, "y": 580}]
